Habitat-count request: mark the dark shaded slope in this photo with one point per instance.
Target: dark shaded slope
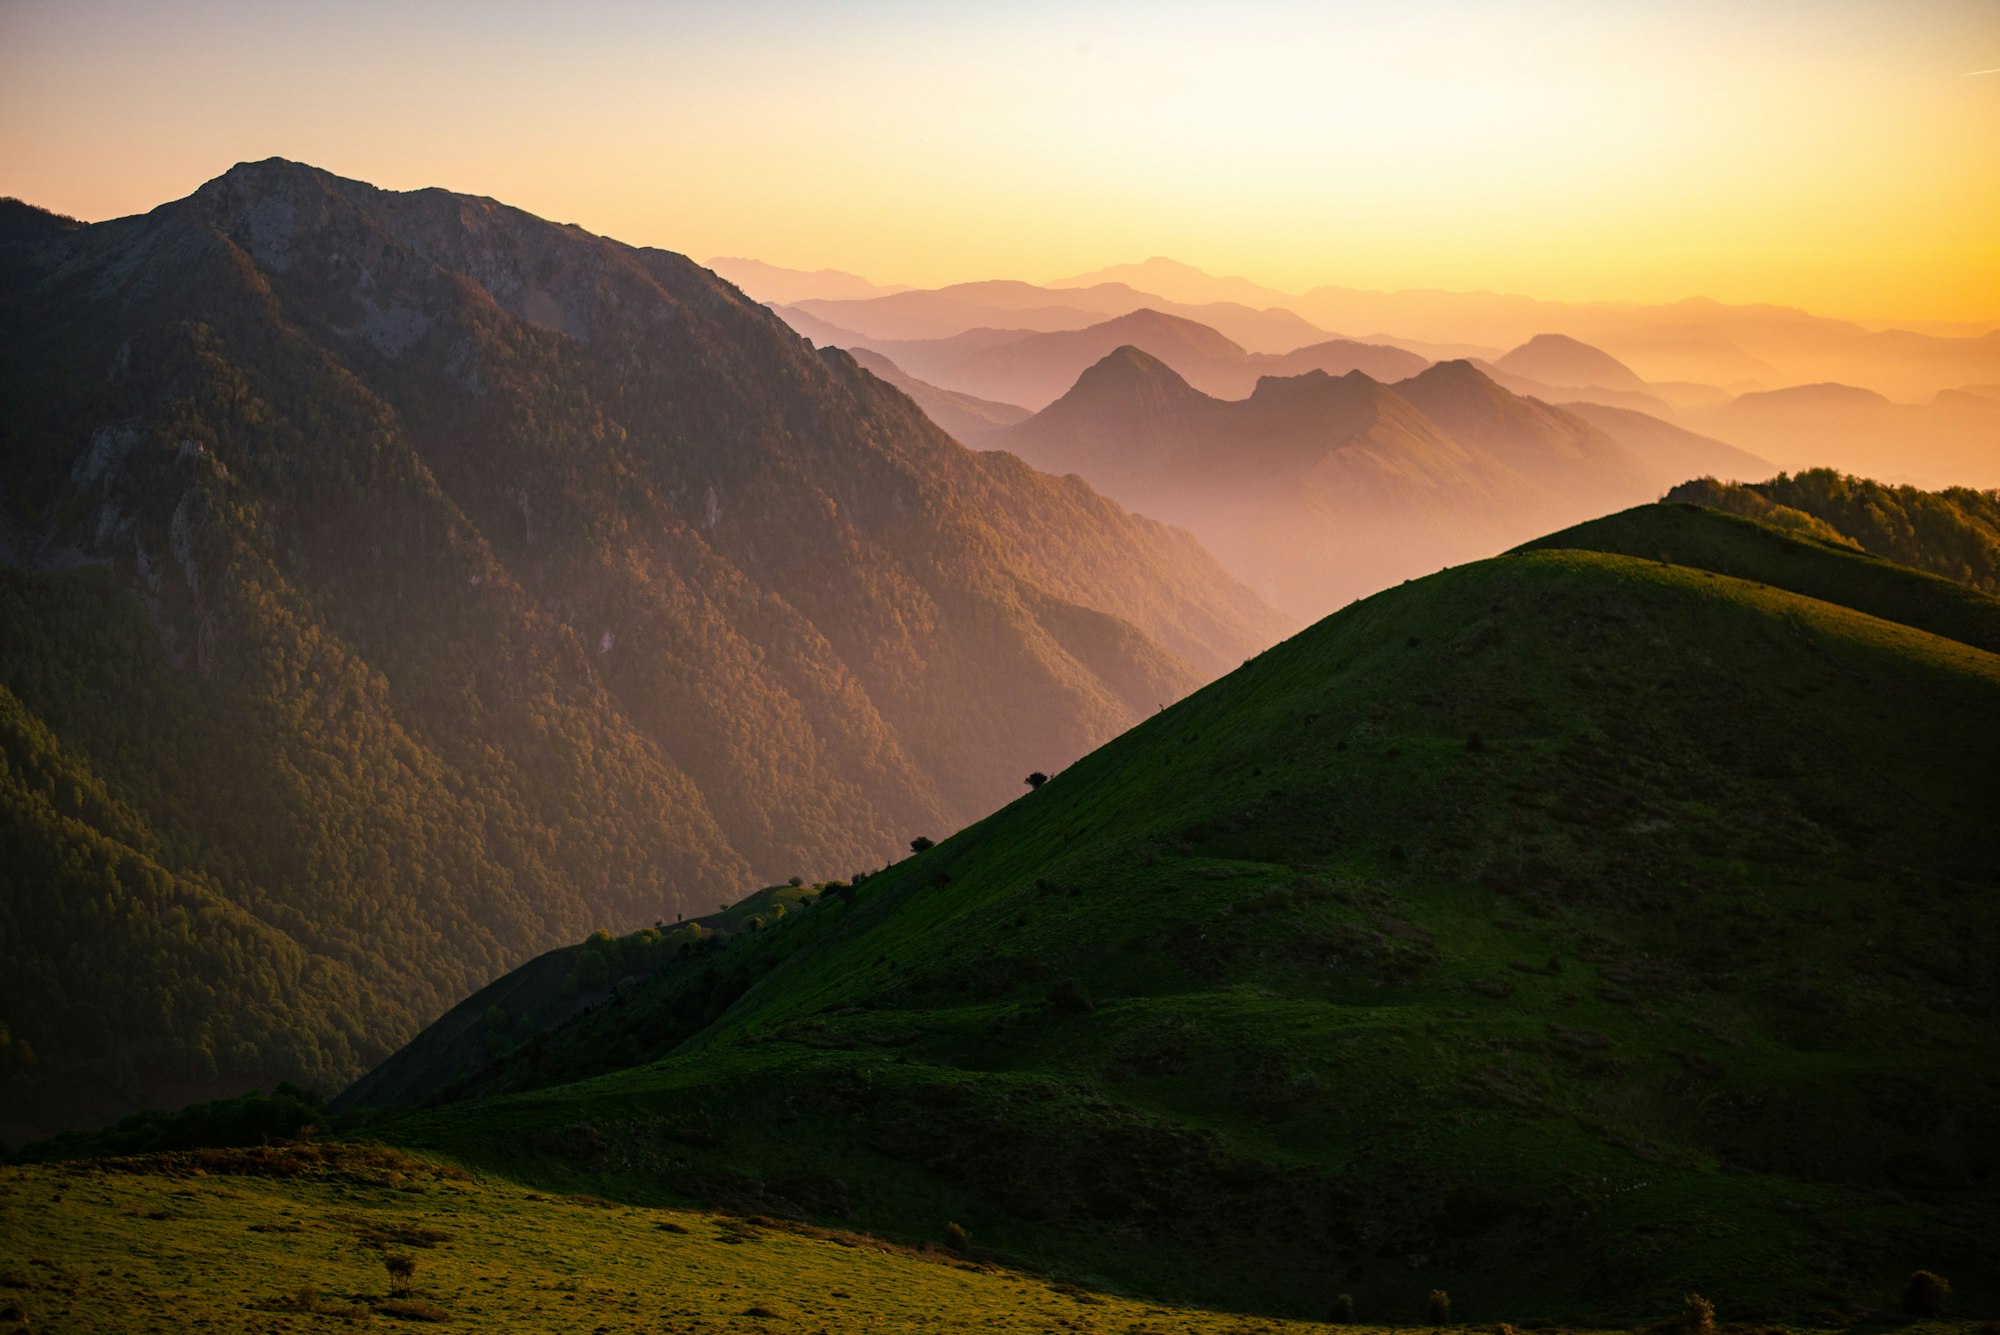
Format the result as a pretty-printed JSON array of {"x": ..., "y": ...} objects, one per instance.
[
  {"x": 503, "y": 580},
  {"x": 1568, "y": 930}
]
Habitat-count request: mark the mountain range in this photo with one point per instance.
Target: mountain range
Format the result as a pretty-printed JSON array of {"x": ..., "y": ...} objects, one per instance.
[
  {"x": 974, "y": 341},
  {"x": 1317, "y": 489},
  {"x": 395, "y": 585},
  {"x": 1954, "y": 440},
  {"x": 1712, "y": 347}
]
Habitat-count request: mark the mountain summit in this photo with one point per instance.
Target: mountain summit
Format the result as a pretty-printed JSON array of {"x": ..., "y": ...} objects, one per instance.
[{"x": 399, "y": 583}]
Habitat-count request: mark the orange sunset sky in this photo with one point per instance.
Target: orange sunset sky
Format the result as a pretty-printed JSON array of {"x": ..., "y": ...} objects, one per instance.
[{"x": 1839, "y": 156}]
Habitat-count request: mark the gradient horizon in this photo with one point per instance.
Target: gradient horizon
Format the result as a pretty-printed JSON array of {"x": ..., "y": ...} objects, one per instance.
[{"x": 1837, "y": 156}]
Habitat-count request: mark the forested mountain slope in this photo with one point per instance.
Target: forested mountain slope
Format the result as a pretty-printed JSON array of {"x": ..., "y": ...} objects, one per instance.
[
  {"x": 398, "y": 584},
  {"x": 1954, "y": 533}
]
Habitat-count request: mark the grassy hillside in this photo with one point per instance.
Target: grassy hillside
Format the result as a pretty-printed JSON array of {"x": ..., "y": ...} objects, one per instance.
[
  {"x": 298, "y": 1240},
  {"x": 1567, "y": 930}
]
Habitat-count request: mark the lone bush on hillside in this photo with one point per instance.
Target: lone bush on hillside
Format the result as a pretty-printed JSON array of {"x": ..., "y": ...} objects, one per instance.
[
  {"x": 1697, "y": 1315},
  {"x": 1926, "y": 1294},
  {"x": 921, "y": 845},
  {"x": 956, "y": 1238},
  {"x": 1036, "y": 780},
  {"x": 1343, "y": 1308},
  {"x": 402, "y": 1273},
  {"x": 1437, "y": 1308}
]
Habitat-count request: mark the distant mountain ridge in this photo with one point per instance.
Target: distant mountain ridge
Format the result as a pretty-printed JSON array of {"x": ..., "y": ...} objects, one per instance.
[
  {"x": 1557, "y": 359},
  {"x": 774, "y": 283},
  {"x": 966, "y": 418},
  {"x": 1316, "y": 489},
  {"x": 1035, "y": 368},
  {"x": 1696, "y": 340},
  {"x": 398, "y": 584}
]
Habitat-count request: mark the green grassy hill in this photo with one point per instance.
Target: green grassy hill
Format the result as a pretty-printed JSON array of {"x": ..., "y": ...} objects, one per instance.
[
  {"x": 299, "y": 1240},
  {"x": 1569, "y": 930}
]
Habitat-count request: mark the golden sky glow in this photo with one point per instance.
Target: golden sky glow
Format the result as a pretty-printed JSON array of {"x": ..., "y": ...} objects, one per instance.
[{"x": 1840, "y": 156}]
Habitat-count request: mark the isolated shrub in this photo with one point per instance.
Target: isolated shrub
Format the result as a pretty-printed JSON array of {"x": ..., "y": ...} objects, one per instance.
[
  {"x": 1697, "y": 1315},
  {"x": 921, "y": 845},
  {"x": 1036, "y": 780},
  {"x": 796, "y": 882},
  {"x": 402, "y": 1272},
  {"x": 1343, "y": 1308},
  {"x": 1437, "y": 1308},
  {"x": 956, "y": 1238},
  {"x": 1068, "y": 997},
  {"x": 1926, "y": 1294}
]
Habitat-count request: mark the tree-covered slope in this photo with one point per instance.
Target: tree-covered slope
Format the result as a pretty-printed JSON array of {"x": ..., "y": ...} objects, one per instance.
[
  {"x": 426, "y": 583},
  {"x": 1954, "y": 533},
  {"x": 1567, "y": 930}
]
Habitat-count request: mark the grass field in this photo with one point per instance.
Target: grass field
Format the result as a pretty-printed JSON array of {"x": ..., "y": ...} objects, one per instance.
[{"x": 298, "y": 1239}]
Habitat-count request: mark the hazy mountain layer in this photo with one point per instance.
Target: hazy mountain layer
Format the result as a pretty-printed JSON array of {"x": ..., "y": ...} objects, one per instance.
[
  {"x": 1035, "y": 368},
  {"x": 1557, "y": 359},
  {"x": 1736, "y": 347},
  {"x": 964, "y": 418},
  {"x": 1954, "y": 441},
  {"x": 948, "y": 311},
  {"x": 400, "y": 584},
  {"x": 1317, "y": 489}
]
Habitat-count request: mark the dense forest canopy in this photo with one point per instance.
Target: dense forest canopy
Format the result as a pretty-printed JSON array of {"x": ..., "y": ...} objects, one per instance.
[{"x": 1954, "y": 532}]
